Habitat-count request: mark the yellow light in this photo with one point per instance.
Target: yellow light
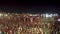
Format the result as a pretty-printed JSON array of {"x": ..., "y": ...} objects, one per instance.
[{"x": 0, "y": 14}]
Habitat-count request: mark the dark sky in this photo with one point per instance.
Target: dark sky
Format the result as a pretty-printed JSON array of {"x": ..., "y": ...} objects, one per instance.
[{"x": 30, "y": 7}]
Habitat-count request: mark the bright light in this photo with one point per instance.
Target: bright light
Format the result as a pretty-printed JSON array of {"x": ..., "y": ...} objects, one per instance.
[
  {"x": 58, "y": 19},
  {"x": 50, "y": 15},
  {"x": 30, "y": 14},
  {"x": 33, "y": 14},
  {"x": 47, "y": 15}
]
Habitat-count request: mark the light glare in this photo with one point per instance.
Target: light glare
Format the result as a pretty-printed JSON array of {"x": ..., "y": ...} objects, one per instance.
[{"x": 58, "y": 19}]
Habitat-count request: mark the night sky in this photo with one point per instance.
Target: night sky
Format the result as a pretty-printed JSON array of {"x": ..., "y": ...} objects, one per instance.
[{"x": 30, "y": 7}]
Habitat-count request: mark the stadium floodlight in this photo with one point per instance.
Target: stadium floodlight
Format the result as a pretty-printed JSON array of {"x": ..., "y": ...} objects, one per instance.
[{"x": 47, "y": 15}]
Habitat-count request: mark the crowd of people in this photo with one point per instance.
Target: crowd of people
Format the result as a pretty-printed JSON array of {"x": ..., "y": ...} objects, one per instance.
[
  {"x": 22, "y": 24},
  {"x": 20, "y": 30}
]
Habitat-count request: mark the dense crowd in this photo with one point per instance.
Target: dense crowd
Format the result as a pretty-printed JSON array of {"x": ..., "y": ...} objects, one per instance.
[{"x": 23, "y": 24}]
